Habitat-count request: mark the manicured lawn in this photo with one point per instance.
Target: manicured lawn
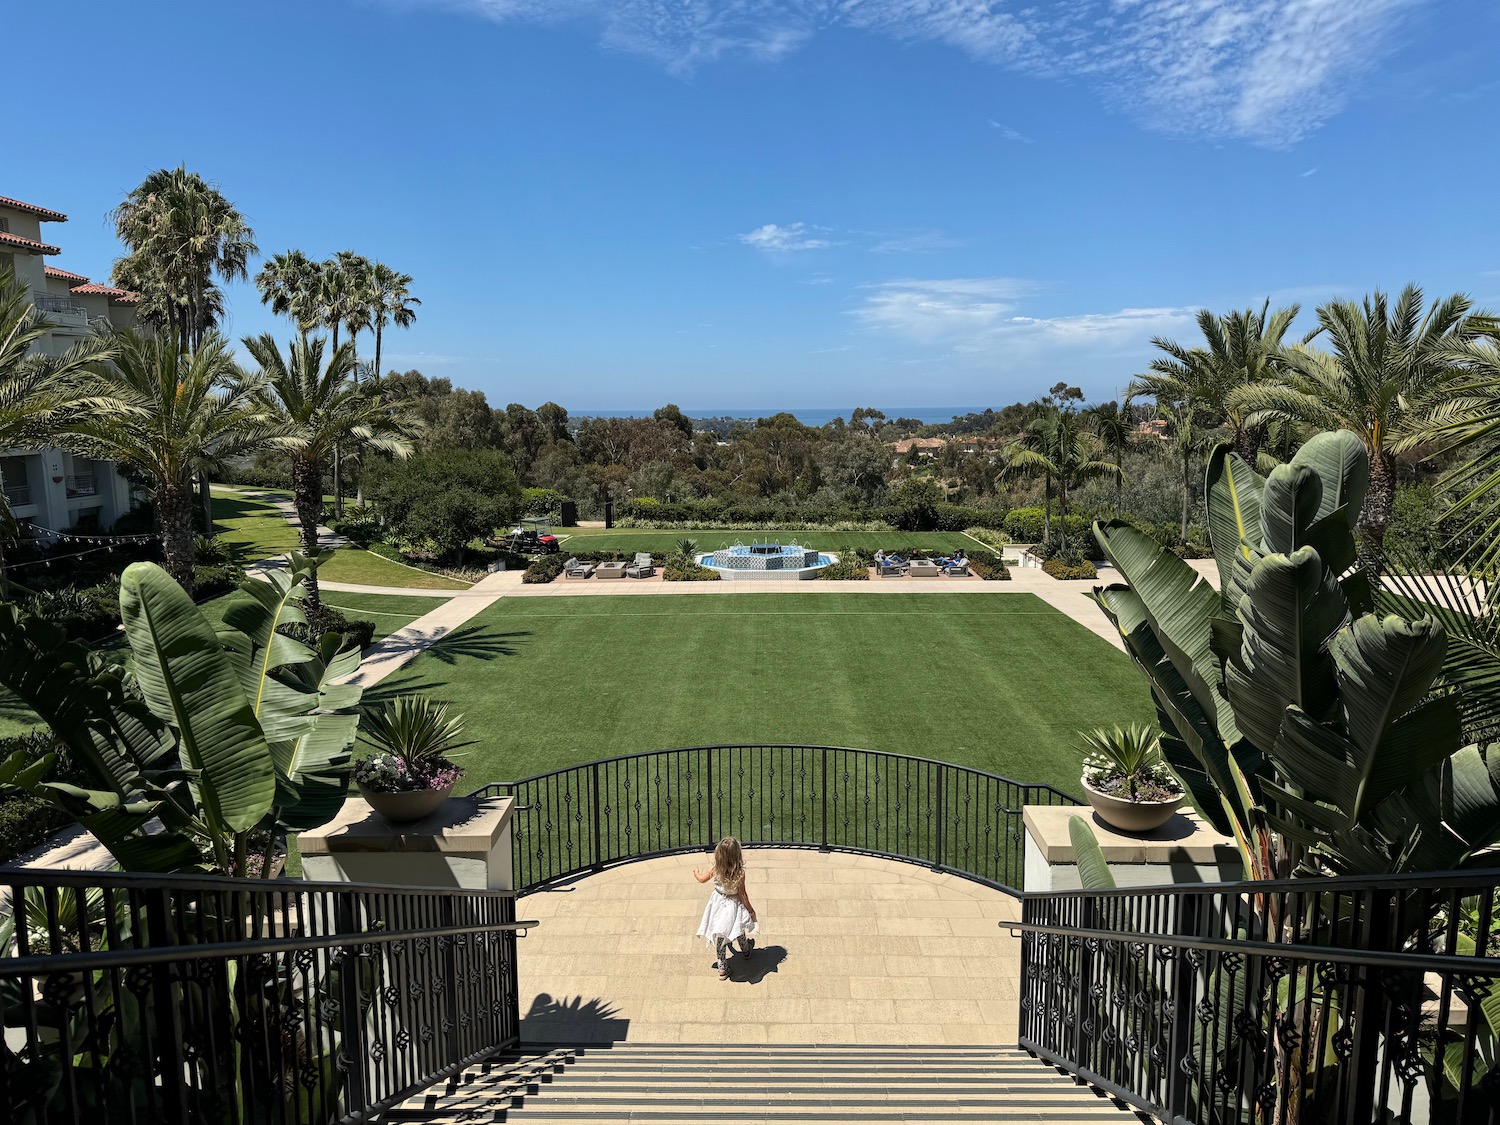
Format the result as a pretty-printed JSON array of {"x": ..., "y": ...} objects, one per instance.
[
  {"x": 365, "y": 568},
  {"x": 253, "y": 529},
  {"x": 630, "y": 539},
  {"x": 389, "y": 611},
  {"x": 998, "y": 682}
]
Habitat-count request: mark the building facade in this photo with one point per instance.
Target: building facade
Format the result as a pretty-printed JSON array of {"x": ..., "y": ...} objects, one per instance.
[{"x": 51, "y": 489}]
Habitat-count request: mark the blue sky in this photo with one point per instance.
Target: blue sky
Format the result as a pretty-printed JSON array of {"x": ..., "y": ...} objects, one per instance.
[{"x": 757, "y": 203}]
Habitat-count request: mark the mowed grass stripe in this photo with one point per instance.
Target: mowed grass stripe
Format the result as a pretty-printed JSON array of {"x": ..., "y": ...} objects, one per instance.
[{"x": 1002, "y": 692}]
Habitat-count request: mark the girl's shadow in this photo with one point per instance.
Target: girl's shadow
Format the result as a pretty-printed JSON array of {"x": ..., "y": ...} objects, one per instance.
[{"x": 764, "y": 961}]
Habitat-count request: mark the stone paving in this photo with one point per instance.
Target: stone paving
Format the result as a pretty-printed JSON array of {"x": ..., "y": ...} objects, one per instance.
[{"x": 853, "y": 949}]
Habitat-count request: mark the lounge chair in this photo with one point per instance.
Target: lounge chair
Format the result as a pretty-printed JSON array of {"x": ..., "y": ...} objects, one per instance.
[
  {"x": 890, "y": 569},
  {"x": 958, "y": 568},
  {"x": 575, "y": 569},
  {"x": 642, "y": 567}
]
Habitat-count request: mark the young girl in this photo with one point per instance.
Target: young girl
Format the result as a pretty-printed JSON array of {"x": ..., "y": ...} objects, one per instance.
[{"x": 728, "y": 914}]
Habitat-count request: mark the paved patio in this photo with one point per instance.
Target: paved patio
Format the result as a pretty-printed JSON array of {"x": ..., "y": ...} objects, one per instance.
[{"x": 853, "y": 950}]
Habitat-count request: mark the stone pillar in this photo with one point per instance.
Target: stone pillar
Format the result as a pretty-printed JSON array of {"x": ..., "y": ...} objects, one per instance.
[
  {"x": 1186, "y": 849},
  {"x": 466, "y": 843}
]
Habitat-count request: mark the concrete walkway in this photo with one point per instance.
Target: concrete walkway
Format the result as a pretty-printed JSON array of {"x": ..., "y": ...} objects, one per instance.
[{"x": 853, "y": 949}]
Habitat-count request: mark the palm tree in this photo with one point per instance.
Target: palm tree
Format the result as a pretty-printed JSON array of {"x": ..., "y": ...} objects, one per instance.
[
  {"x": 1059, "y": 449},
  {"x": 1244, "y": 348},
  {"x": 1188, "y": 440},
  {"x": 168, "y": 413},
  {"x": 1468, "y": 420},
  {"x": 181, "y": 232},
  {"x": 1112, "y": 426},
  {"x": 1387, "y": 365},
  {"x": 390, "y": 301},
  {"x": 288, "y": 283},
  {"x": 316, "y": 408}
]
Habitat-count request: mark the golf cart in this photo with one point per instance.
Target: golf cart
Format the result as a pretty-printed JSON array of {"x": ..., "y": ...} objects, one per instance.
[{"x": 532, "y": 536}]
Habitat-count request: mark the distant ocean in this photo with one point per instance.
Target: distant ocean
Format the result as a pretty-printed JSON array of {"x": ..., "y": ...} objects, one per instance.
[{"x": 808, "y": 416}]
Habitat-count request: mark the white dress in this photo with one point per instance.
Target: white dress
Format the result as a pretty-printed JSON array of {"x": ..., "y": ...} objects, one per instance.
[{"x": 724, "y": 918}]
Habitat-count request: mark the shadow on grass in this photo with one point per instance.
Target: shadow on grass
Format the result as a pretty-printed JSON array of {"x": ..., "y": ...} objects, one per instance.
[{"x": 475, "y": 642}]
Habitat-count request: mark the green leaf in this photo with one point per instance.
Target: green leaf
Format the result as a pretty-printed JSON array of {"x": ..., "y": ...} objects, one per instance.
[
  {"x": 189, "y": 681},
  {"x": 1093, "y": 869},
  {"x": 1233, "y": 500},
  {"x": 1343, "y": 466},
  {"x": 1290, "y": 609},
  {"x": 1289, "y": 506},
  {"x": 312, "y": 779}
]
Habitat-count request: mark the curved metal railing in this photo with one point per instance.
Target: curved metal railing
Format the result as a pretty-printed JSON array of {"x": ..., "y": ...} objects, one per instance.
[{"x": 955, "y": 819}]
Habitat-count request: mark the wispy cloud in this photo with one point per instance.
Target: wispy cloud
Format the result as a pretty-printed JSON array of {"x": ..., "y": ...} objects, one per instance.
[
  {"x": 1309, "y": 172},
  {"x": 1010, "y": 133},
  {"x": 1270, "y": 71},
  {"x": 775, "y": 239},
  {"x": 917, "y": 242},
  {"x": 985, "y": 319}
]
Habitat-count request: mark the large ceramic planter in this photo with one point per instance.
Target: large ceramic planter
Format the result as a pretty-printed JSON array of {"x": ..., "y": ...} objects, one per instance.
[
  {"x": 402, "y": 808},
  {"x": 1130, "y": 816}
]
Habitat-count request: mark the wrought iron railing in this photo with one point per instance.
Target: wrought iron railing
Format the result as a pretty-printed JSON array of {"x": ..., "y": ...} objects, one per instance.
[
  {"x": 82, "y": 484},
  {"x": 1328, "y": 1000},
  {"x": 17, "y": 495},
  {"x": 52, "y": 305},
  {"x": 586, "y": 817},
  {"x": 146, "y": 999}
]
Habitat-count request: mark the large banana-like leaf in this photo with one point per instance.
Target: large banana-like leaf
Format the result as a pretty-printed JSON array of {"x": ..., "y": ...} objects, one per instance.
[
  {"x": 1190, "y": 737},
  {"x": 189, "y": 681},
  {"x": 312, "y": 778},
  {"x": 1233, "y": 500},
  {"x": 1093, "y": 868},
  {"x": 1180, "y": 606},
  {"x": 1289, "y": 505},
  {"x": 1341, "y": 463},
  {"x": 1453, "y": 813},
  {"x": 1289, "y": 611}
]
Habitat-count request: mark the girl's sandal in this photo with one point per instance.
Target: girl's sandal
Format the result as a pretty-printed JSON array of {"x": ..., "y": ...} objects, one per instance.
[{"x": 724, "y": 973}]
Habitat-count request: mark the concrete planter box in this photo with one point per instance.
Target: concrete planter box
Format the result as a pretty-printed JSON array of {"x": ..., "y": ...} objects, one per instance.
[{"x": 465, "y": 842}]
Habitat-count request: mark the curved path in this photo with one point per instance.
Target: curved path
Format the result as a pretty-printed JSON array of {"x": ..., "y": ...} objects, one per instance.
[{"x": 853, "y": 950}]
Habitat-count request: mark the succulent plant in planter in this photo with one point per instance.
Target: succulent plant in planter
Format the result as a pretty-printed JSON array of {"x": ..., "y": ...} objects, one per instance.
[
  {"x": 411, "y": 772},
  {"x": 1126, "y": 778}
]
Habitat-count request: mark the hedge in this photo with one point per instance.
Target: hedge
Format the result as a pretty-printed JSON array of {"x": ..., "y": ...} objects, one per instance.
[{"x": 1070, "y": 573}]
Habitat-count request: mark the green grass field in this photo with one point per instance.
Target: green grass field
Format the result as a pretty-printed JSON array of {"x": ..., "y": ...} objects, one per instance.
[
  {"x": 252, "y": 529},
  {"x": 365, "y": 568},
  {"x": 630, "y": 539},
  {"x": 1000, "y": 683}
]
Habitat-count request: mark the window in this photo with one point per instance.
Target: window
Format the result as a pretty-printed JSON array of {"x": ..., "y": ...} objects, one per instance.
[{"x": 4, "y": 225}]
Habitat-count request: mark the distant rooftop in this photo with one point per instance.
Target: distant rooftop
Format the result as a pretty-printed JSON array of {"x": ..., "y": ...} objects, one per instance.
[
  {"x": 119, "y": 296},
  {"x": 64, "y": 275},
  {"x": 45, "y": 214},
  {"x": 8, "y": 239}
]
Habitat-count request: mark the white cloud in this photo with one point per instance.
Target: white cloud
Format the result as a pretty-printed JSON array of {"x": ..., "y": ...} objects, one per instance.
[
  {"x": 983, "y": 319},
  {"x": 1309, "y": 172},
  {"x": 918, "y": 242},
  {"x": 1270, "y": 71},
  {"x": 774, "y": 239},
  {"x": 1010, "y": 133}
]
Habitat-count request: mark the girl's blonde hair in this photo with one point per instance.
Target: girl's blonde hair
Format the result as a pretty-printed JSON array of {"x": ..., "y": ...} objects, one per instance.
[{"x": 729, "y": 862}]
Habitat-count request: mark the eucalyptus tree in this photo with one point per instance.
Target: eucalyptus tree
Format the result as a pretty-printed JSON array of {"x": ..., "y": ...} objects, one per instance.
[
  {"x": 182, "y": 233},
  {"x": 315, "y": 409},
  {"x": 390, "y": 302},
  {"x": 168, "y": 413},
  {"x": 1387, "y": 364},
  {"x": 1241, "y": 349}
]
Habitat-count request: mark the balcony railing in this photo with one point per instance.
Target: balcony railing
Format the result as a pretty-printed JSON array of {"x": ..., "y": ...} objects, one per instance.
[
  {"x": 177, "y": 1000},
  {"x": 949, "y": 817},
  {"x": 17, "y": 495},
  {"x": 82, "y": 484},
  {"x": 52, "y": 305}
]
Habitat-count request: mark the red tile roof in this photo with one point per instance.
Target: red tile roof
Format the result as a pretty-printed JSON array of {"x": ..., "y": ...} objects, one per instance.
[
  {"x": 119, "y": 296},
  {"x": 43, "y": 213},
  {"x": 64, "y": 275},
  {"x": 7, "y": 239}
]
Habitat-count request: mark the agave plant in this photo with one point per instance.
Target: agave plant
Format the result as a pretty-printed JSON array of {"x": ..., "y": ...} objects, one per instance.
[
  {"x": 415, "y": 737},
  {"x": 688, "y": 548},
  {"x": 1122, "y": 761}
]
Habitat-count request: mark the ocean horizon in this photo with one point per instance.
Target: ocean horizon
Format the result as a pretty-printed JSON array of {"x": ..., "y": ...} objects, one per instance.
[{"x": 807, "y": 415}]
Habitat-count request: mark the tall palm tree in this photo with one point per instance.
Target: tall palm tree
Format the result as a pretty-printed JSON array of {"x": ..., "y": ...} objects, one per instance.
[
  {"x": 1111, "y": 424},
  {"x": 1467, "y": 421},
  {"x": 1058, "y": 448},
  {"x": 316, "y": 408},
  {"x": 288, "y": 283},
  {"x": 1243, "y": 349},
  {"x": 1387, "y": 364},
  {"x": 390, "y": 302},
  {"x": 181, "y": 232},
  {"x": 168, "y": 413},
  {"x": 1188, "y": 441}
]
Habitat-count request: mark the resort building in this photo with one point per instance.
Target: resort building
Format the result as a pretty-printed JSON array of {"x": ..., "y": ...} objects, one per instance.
[{"x": 49, "y": 488}]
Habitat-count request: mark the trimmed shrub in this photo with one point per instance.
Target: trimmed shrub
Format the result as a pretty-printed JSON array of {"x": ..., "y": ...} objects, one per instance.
[
  {"x": 680, "y": 568},
  {"x": 990, "y": 537},
  {"x": 989, "y": 566},
  {"x": 847, "y": 569},
  {"x": 1070, "y": 572},
  {"x": 544, "y": 568},
  {"x": 541, "y": 501},
  {"x": 214, "y": 581},
  {"x": 360, "y": 527},
  {"x": 326, "y": 619}
]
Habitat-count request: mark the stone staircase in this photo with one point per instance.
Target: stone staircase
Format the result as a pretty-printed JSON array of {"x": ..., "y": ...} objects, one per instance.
[{"x": 748, "y": 1085}]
